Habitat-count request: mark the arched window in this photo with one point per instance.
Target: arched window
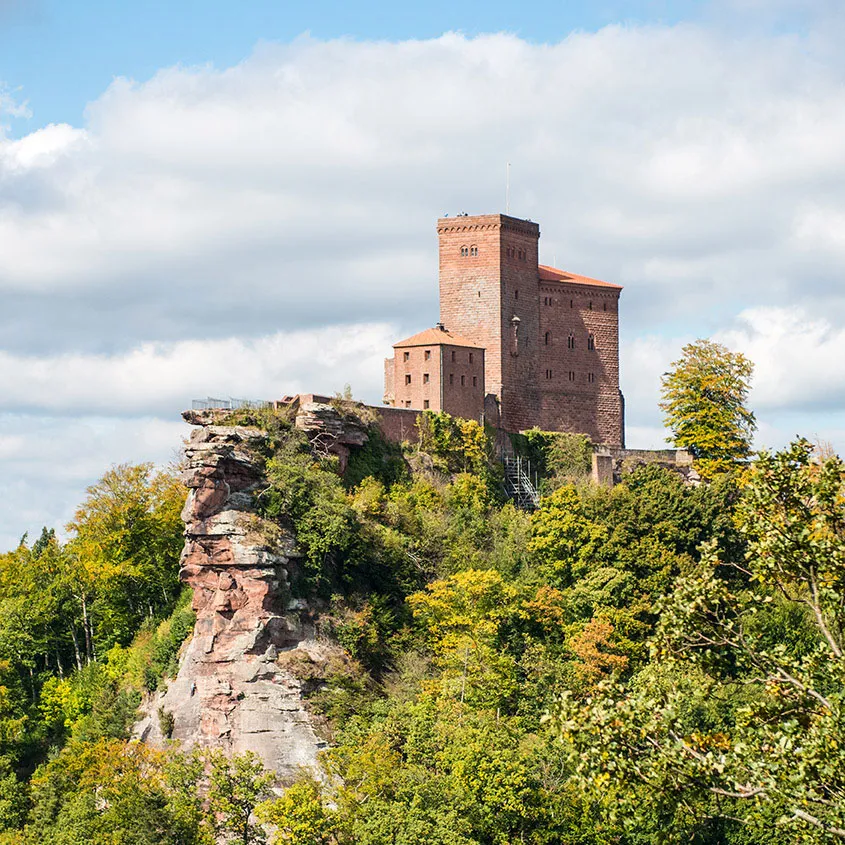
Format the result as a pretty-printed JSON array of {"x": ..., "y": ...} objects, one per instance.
[
  {"x": 570, "y": 341},
  {"x": 464, "y": 251},
  {"x": 473, "y": 250},
  {"x": 591, "y": 341},
  {"x": 547, "y": 337}
]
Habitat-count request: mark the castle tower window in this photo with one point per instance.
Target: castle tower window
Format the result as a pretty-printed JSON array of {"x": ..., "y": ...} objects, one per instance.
[
  {"x": 591, "y": 377},
  {"x": 571, "y": 375},
  {"x": 475, "y": 381},
  {"x": 516, "y": 293},
  {"x": 548, "y": 373},
  {"x": 547, "y": 337},
  {"x": 590, "y": 306},
  {"x": 570, "y": 342},
  {"x": 451, "y": 378},
  {"x": 453, "y": 356},
  {"x": 464, "y": 251},
  {"x": 604, "y": 306},
  {"x": 425, "y": 404},
  {"x": 591, "y": 341},
  {"x": 571, "y": 303},
  {"x": 407, "y": 403},
  {"x": 406, "y": 356},
  {"x": 425, "y": 378},
  {"x": 463, "y": 380},
  {"x": 408, "y": 378},
  {"x": 473, "y": 250},
  {"x": 427, "y": 354},
  {"x": 470, "y": 357}
]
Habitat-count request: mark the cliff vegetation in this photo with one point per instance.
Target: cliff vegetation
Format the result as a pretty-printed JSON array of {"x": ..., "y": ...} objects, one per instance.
[{"x": 648, "y": 663}]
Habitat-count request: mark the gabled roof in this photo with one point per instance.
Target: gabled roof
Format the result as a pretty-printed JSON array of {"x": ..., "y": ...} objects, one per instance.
[
  {"x": 552, "y": 274},
  {"x": 436, "y": 337}
]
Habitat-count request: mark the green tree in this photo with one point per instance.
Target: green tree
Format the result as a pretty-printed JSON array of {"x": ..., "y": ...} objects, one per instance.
[
  {"x": 740, "y": 720},
  {"x": 300, "y": 816},
  {"x": 704, "y": 403},
  {"x": 235, "y": 788},
  {"x": 122, "y": 559}
]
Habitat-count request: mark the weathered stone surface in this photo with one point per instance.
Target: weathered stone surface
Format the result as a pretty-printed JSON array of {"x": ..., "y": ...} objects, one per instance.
[
  {"x": 329, "y": 431},
  {"x": 230, "y": 692}
]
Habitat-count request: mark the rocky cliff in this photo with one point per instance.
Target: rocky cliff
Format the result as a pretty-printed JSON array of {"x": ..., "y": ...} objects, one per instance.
[{"x": 231, "y": 692}]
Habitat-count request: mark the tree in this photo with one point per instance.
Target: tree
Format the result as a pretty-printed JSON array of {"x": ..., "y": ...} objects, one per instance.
[
  {"x": 123, "y": 556},
  {"x": 741, "y": 720},
  {"x": 300, "y": 816},
  {"x": 704, "y": 402},
  {"x": 235, "y": 787}
]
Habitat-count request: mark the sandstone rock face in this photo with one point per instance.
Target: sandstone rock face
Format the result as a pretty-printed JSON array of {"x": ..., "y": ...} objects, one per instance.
[{"x": 230, "y": 693}]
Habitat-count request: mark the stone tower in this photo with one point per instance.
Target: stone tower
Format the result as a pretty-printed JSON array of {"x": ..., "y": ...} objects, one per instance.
[{"x": 489, "y": 294}]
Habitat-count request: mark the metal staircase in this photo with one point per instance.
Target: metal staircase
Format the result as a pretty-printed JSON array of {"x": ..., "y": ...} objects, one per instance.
[{"x": 519, "y": 487}]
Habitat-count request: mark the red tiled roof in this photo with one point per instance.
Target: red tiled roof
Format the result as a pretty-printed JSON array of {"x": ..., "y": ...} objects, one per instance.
[
  {"x": 552, "y": 274},
  {"x": 436, "y": 337}
]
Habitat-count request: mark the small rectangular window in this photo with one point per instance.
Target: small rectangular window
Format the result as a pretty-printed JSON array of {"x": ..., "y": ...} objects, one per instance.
[
  {"x": 470, "y": 357},
  {"x": 451, "y": 378},
  {"x": 425, "y": 404},
  {"x": 408, "y": 378},
  {"x": 475, "y": 381},
  {"x": 406, "y": 356},
  {"x": 425, "y": 378},
  {"x": 453, "y": 356},
  {"x": 427, "y": 354},
  {"x": 571, "y": 375},
  {"x": 463, "y": 380},
  {"x": 591, "y": 377},
  {"x": 516, "y": 293},
  {"x": 407, "y": 403},
  {"x": 548, "y": 373}
]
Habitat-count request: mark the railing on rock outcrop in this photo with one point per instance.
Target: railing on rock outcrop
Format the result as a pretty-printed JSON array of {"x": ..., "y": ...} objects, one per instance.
[{"x": 211, "y": 404}]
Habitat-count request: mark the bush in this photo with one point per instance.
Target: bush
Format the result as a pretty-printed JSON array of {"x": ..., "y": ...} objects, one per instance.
[{"x": 558, "y": 457}]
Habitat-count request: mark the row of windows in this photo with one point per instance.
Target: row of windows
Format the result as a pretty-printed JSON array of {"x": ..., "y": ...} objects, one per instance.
[
  {"x": 406, "y": 356},
  {"x": 513, "y": 252},
  {"x": 550, "y": 300},
  {"x": 427, "y": 380},
  {"x": 570, "y": 341},
  {"x": 591, "y": 377},
  {"x": 469, "y": 250}
]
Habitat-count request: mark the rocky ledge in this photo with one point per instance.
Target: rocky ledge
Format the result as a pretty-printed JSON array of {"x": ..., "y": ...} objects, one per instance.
[{"x": 230, "y": 692}]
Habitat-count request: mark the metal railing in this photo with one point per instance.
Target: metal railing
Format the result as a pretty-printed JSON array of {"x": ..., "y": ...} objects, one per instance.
[
  {"x": 230, "y": 404},
  {"x": 519, "y": 486}
]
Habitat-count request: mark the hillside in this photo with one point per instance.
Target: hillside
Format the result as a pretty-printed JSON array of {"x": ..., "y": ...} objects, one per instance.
[{"x": 653, "y": 662}]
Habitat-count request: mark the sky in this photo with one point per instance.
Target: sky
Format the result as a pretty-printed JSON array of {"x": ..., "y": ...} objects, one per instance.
[{"x": 240, "y": 200}]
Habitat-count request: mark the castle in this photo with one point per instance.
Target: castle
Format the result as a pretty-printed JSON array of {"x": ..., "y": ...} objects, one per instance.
[{"x": 518, "y": 344}]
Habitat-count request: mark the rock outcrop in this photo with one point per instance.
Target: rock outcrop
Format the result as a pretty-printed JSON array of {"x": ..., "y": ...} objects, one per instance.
[{"x": 230, "y": 692}]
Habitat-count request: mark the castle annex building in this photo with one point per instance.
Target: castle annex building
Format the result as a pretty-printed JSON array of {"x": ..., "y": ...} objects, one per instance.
[{"x": 520, "y": 343}]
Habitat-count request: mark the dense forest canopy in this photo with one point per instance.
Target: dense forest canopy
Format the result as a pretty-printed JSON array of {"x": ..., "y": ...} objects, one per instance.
[{"x": 648, "y": 663}]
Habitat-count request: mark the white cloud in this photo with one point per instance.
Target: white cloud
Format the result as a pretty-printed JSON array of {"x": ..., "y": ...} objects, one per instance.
[
  {"x": 269, "y": 227},
  {"x": 163, "y": 378},
  {"x": 798, "y": 358},
  {"x": 46, "y": 464}
]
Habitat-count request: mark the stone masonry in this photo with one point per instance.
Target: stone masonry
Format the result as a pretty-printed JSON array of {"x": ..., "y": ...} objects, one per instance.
[{"x": 550, "y": 338}]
